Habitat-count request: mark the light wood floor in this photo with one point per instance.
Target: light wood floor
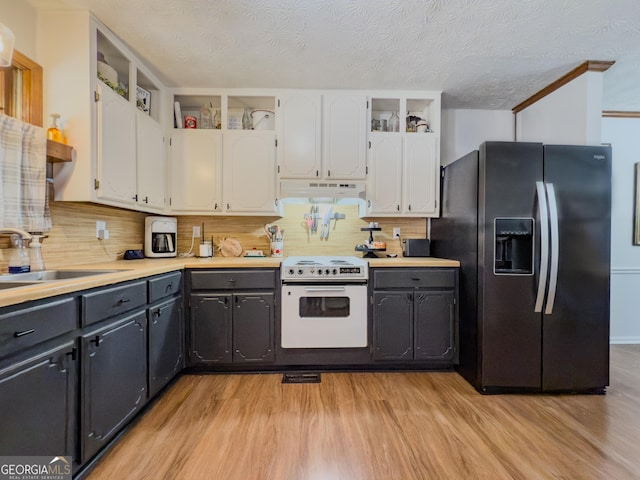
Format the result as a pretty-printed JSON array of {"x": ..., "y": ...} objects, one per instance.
[{"x": 382, "y": 426}]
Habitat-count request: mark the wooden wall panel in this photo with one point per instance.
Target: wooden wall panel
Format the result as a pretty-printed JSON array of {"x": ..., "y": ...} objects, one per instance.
[
  {"x": 72, "y": 240},
  {"x": 343, "y": 235}
]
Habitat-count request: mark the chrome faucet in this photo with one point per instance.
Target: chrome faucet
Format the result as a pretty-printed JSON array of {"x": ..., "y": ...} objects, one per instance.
[{"x": 11, "y": 231}]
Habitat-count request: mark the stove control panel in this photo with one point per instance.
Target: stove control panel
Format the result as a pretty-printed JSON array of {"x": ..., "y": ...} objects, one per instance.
[
  {"x": 324, "y": 269},
  {"x": 327, "y": 273}
]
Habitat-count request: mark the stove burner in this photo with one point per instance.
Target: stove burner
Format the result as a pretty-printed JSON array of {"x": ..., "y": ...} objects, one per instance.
[{"x": 324, "y": 269}]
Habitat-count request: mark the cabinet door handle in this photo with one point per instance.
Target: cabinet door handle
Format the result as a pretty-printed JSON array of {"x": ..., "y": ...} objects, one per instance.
[
  {"x": 135, "y": 197},
  {"x": 409, "y": 207},
  {"x": 398, "y": 207},
  {"x": 317, "y": 173},
  {"x": 123, "y": 301},
  {"x": 95, "y": 340},
  {"x": 23, "y": 333},
  {"x": 228, "y": 206},
  {"x": 215, "y": 207},
  {"x": 168, "y": 288},
  {"x": 328, "y": 173},
  {"x": 145, "y": 199},
  {"x": 156, "y": 313},
  {"x": 73, "y": 353}
]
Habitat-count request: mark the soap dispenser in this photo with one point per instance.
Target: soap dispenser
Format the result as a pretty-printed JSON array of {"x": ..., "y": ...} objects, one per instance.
[
  {"x": 19, "y": 256},
  {"x": 54, "y": 133},
  {"x": 35, "y": 252}
]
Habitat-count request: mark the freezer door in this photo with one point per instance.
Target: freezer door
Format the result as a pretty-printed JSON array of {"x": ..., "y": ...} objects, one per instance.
[
  {"x": 509, "y": 327},
  {"x": 575, "y": 338}
]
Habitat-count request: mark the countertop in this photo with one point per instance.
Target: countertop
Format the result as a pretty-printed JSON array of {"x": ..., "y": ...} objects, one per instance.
[{"x": 134, "y": 269}]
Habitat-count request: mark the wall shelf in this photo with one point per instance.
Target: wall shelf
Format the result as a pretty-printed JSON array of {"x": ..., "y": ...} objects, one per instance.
[{"x": 58, "y": 152}]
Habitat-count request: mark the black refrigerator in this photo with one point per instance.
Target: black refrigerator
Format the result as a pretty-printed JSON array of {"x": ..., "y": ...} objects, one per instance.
[{"x": 531, "y": 226}]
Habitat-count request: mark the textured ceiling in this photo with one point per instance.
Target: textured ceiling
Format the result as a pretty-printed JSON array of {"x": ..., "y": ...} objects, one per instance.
[{"x": 489, "y": 54}]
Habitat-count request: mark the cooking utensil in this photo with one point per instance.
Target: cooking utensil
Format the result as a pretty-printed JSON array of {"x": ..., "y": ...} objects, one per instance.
[
  {"x": 326, "y": 219},
  {"x": 270, "y": 231}
]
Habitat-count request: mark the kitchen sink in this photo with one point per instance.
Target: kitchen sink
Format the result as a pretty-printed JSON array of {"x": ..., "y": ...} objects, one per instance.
[
  {"x": 7, "y": 285},
  {"x": 49, "y": 275}
]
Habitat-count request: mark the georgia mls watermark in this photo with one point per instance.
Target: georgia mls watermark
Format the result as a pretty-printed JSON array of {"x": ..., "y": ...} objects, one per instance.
[{"x": 35, "y": 468}]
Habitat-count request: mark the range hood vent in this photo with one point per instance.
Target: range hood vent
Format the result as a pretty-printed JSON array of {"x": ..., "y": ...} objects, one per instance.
[{"x": 324, "y": 189}]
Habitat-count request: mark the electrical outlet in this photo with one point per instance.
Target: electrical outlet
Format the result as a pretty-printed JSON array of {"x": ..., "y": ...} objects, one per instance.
[
  {"x": 396, "y": 232},
  {"x": 100, "y": 228},
  {"x": 196, "y": 231}
]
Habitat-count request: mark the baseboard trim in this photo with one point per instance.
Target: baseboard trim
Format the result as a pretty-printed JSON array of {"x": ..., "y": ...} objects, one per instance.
[
  {"x": 624, "y": 341},
  {"x": 625, "y": 271}
]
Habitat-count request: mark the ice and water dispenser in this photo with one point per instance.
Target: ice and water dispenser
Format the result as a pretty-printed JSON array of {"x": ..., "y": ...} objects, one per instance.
[{"x": 513, "y": 248}]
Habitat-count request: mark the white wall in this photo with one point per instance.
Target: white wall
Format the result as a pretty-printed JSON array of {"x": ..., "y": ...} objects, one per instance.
[
  {"x": 570, "y": 115},
  {"x": 624, "y": 136},
  {"x": 464, "y": 131},
  {"x": 20, "y": 17}
]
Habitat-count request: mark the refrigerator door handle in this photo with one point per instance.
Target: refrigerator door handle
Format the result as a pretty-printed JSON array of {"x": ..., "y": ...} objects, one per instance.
[
  {"x": 555, "y": 242},
  {"x": 544, "y": 245}
]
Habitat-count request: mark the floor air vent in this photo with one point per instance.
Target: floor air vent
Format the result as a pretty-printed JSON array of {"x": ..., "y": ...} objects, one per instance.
[{"x": 301, "y": 378}]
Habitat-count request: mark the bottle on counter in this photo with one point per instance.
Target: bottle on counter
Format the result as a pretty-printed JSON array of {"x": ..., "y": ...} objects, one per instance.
[
  {"x": 35, "y": 253},
  {"x": 19, "y": 256}
]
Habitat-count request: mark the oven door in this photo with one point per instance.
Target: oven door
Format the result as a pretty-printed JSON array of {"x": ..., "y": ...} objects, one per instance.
[{"x": 324, "y": 316}]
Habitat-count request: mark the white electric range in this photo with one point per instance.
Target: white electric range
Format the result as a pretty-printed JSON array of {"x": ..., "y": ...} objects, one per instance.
[{"x": 324, "y": 302}]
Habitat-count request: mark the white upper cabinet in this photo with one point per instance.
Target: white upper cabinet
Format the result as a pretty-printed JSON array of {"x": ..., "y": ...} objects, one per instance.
[
  {"x": 421, "y": 180},
  {"x": 230, "y": 169},
  {"x": 98, "y": 85},
  {"x": 249, "y": 172},
  {"x": 195, "y": 174},
  {"x": 150, "y": 155},
  {"x": 384, "y": 189},
  {"x": 344, "y": 136},
  {"x": 299, "y": 128},
  {"x": 403, "y": 155},
  {"x": 116, "y": 148}
]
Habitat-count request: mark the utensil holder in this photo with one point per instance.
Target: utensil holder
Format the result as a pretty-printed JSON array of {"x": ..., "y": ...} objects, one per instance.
[{"x": 277, "y": 248}]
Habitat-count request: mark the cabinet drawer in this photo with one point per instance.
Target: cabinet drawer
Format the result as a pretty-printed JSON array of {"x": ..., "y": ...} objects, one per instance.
[
  {"x": 112, "y": 301},
  {"x": 29, "y": 326},
  {"x": 414, "y": 278},
  {"x": 233, "y": 280},
  {"x": 164, "y": 286}
]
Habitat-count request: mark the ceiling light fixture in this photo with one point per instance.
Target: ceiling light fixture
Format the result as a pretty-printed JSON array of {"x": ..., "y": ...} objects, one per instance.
[{"x": 7, "y": 40}]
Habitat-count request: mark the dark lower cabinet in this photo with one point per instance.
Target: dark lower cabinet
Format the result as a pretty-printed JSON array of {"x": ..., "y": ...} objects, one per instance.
[
  {"x": 210, "y": 329},
  {"x": 253, "y": 322},
  {"x": 166, "y": 353},
  {"x": 113, "y": 378},
  {"x": 392, "y": 326},
  {"x": 434, "y": 326},
  {"x": 232, "y": 328},
  {"x": 38, "y": 395},
  {"x": 415, "y": 315}
]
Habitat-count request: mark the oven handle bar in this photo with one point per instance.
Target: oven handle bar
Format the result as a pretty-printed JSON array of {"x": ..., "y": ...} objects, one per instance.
[{"x": 324, "y": 289}]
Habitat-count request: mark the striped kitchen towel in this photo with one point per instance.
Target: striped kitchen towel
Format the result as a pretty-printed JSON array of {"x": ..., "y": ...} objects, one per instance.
[{"x": 23, "y": 192}]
